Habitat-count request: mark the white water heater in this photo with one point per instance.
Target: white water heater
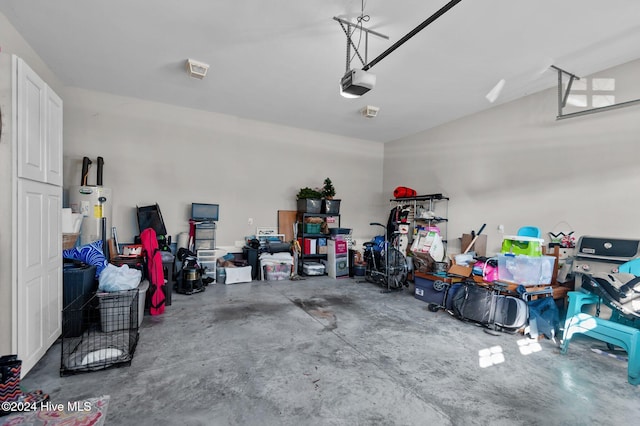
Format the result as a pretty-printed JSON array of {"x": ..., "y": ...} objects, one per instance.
[{"x": 94, "y": 203}]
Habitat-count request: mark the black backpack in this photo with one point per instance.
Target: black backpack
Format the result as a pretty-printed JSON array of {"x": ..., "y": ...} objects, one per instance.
[{"x": 398, "y": 214}]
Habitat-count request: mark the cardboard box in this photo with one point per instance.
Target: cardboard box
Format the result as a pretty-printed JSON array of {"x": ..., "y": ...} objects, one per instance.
[
  {"x": 332, "y": 221},
  {"x": 322, "y": 246},
  {"x": 132, "y": 250},
  {"x": 479, "y": 247},
  {"x": 461, "y": 271}
]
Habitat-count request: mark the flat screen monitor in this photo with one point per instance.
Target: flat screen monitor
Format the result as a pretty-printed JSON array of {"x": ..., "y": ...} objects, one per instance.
[{"x": 204, "y": 212}]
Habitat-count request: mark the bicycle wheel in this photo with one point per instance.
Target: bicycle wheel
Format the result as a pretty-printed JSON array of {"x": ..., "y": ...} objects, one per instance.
[
  {"x": 398, "y": 270},
  {"x": 372, "y": 273}
]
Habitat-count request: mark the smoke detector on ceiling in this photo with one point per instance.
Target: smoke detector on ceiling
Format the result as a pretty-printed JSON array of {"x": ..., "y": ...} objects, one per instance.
[
  {"x": 370, "y": 111},
  {"x": 197, "y": 69}
]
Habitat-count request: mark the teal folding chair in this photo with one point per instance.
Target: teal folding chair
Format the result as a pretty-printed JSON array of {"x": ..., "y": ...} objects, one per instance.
[{"x": 621, "y": 329}]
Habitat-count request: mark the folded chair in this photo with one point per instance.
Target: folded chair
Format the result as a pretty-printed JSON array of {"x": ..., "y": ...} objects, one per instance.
[{"x": 621, "y": 293}]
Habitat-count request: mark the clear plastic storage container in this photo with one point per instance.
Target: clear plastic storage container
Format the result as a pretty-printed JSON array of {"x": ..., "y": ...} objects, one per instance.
[{"x": 525, "y": 270}]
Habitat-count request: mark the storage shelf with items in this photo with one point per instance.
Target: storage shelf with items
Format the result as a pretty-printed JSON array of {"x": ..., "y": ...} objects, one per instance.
[
  {"x": 417, "y": 216},
  {"x": 314, "y": 231},
  {"x": 205, "y": 236}
]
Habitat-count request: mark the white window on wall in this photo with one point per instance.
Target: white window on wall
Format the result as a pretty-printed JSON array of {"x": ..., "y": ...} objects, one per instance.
[{"x": 603, "y": 92}]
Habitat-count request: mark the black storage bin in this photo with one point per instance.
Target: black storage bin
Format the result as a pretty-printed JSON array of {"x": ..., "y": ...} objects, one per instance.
[
  {"x": 352, "y": 262},
  {"x": 253, "y": 260},
  {"x": 309, "y": 205},
  {"x": 78, "y": 284},
  {"x": 330, "y": 206},
  {"x": 339, "y": 231}
]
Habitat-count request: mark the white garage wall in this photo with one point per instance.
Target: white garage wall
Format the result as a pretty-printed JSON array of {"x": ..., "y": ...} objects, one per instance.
[
  {"x": 173, "y": 156},
  {"x": 516, "y": 165}
]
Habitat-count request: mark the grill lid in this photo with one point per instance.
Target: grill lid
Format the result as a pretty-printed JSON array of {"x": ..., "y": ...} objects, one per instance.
[{"x": 612, "y": 249}]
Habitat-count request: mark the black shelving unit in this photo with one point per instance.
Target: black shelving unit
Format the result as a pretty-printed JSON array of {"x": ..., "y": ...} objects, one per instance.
[{"x": 302, "y": 216}]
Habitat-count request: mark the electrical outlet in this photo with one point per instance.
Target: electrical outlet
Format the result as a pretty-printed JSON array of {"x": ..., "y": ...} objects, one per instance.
[
  {"x": 250, "y": 221},
  {"x": 501, "y": 229}
]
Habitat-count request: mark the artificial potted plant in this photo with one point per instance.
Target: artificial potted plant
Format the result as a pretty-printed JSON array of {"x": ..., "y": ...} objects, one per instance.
[
  {"x": 329, "y": 204},
  {"x": 309, "y": 200}
]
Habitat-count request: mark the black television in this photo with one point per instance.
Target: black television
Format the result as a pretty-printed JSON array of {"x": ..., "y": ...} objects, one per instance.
[{"x": 201, "y": 212}]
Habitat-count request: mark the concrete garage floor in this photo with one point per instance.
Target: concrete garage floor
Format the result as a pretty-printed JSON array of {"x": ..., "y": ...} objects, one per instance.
[{"x": 337, "y": 352}]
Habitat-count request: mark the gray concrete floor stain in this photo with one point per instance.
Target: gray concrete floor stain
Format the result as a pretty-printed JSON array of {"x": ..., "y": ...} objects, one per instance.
[
  {"x": 320, "y": 308},
  {"x": 321, "y": 351},
  {"x": 242, "y": 311}
]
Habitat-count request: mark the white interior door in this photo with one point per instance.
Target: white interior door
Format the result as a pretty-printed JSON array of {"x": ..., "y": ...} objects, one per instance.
[
  {"x": 31, "y": 124},
  {"x": 38, "y": 245},
  {"x": 39, "y": 270},
  {"x": 53, "y": 138}
]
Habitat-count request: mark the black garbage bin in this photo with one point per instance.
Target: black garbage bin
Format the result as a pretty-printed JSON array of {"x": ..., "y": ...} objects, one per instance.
[{"x": 78, "y": 285}]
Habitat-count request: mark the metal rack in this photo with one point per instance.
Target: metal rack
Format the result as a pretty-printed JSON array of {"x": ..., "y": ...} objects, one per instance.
[
  {"x": 426, "y": 211},
  {"x": 313, "y": 236}
]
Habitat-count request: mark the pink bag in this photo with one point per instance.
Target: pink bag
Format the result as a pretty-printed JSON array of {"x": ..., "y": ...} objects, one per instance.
[{"x": 489, "y": 272}]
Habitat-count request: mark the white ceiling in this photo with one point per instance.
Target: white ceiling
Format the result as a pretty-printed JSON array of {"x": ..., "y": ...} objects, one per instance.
[{"x": 280, "y": 61}]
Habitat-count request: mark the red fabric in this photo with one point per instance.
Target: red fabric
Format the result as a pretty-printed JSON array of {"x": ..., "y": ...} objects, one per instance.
[
  {"x": 154, "y": 268},
  {"x": 404, "y": 192}
]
